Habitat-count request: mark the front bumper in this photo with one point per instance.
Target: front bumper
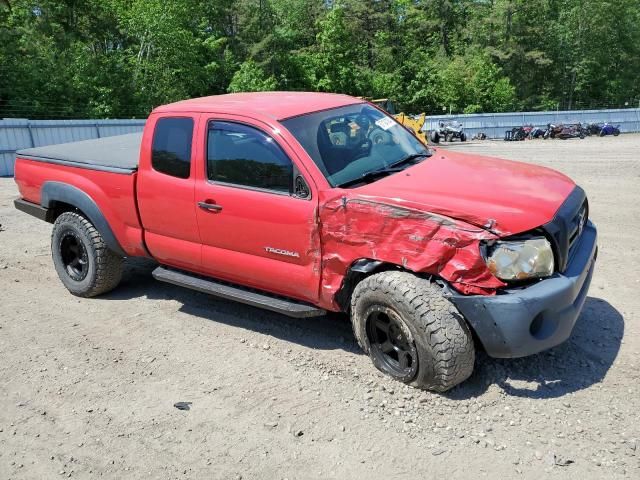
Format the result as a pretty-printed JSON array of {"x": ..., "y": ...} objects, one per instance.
[{"x": 522, "y": 321}]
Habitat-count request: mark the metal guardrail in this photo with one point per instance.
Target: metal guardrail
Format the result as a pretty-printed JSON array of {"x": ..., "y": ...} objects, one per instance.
[{"x": 16, "y": 134}]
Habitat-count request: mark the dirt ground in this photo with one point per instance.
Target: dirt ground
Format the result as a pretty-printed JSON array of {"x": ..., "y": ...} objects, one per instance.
[{"x": 88, "y": 387}]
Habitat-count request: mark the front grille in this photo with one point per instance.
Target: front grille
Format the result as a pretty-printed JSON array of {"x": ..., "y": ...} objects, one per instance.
[
  {"x": 577, "y": 224},
  {"x": 567, "y": 226}
]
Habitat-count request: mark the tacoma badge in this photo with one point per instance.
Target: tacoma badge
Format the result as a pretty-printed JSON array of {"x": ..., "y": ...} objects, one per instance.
[{"x": 279, "y": 251}]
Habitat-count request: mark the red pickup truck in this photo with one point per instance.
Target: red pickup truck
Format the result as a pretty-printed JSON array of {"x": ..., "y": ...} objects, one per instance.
[{"x": 304, "y": 203}]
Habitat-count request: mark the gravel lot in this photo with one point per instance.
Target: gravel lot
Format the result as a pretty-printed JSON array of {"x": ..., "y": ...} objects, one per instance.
[{"x": 88, "y": 387}]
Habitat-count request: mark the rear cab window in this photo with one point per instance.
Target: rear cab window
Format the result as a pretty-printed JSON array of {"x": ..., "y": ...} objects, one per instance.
[{"x": 171, "y": 150}]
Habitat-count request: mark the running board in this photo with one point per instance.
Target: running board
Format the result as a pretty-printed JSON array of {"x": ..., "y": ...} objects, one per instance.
[{"x": 292, "y": 308}]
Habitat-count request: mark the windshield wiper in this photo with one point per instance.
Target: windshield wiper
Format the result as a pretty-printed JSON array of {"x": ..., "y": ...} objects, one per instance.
[
  {"x": 393, "y": 168},
  {"x": 410, "y": 158},
  {"x": 370, "y": 176}
]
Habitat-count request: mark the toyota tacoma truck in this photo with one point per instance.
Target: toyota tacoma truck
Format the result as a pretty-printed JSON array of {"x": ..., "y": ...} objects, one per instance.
[{"x": 283, "y": 201}]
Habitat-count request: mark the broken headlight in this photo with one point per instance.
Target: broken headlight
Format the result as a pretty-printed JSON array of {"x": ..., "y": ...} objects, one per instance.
[{"x": 520, "y": 259}]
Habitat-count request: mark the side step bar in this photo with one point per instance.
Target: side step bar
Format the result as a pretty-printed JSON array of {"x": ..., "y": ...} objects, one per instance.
[{"x": 292, "y": 308}]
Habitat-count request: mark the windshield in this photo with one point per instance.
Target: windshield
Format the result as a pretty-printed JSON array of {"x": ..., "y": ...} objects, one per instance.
[{"x": 349, "y": 143}]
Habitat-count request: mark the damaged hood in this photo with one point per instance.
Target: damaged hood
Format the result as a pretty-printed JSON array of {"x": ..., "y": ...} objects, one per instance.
[{"x": 508, "y": 197}]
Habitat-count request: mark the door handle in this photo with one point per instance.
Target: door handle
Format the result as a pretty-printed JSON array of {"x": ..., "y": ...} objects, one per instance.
[{"x": 211, "y": 207}]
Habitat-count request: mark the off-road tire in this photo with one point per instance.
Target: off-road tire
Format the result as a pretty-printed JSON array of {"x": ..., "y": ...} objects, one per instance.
[
  {"x": 442, "y": 339},
  {"x": 104, "y": 267},
  {"x": 434, "y": 137},
  {"x": 463, "y": 137}
]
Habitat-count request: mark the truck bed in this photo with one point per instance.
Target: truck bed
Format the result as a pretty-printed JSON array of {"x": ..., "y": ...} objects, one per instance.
[{"x": 118, "y": 154}]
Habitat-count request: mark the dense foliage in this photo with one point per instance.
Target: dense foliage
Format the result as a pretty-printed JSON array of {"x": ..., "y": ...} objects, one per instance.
[{"x": 119, "y": 58}]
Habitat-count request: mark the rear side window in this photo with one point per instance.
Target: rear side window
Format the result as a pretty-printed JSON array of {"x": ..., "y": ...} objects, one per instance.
[
  {"x": 171, "y": 151},
  {"x": 245, "y": 156}
]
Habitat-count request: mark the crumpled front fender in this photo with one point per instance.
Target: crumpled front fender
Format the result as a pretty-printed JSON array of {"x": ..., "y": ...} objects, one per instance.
[{"x": 354, "y": 227}]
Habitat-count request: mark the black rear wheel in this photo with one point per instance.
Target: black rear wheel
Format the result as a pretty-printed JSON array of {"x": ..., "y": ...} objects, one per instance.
[
  {"x": 74, "y": 256},
  {"x": 81, "y": 257}
]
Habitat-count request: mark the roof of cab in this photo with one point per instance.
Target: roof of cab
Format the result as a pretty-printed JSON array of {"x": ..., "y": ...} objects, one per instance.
[{"x": 276, "y": 105}]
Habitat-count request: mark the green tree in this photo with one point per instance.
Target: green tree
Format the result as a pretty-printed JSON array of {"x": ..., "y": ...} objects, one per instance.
[
  {"x": 120, "y": 58},
  {"x": 251, "y": 78},
  {"x": 336, "y": 53}
]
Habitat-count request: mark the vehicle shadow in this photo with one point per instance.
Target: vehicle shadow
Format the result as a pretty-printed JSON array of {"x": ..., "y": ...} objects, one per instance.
[
  {"x": 580, "y": 362},
  {"x": 329, "y": 332}
]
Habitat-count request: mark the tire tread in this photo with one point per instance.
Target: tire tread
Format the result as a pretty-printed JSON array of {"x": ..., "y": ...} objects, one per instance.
[
  {"x": 447, "y": 337},
  {"x": 108, "y": 265}
]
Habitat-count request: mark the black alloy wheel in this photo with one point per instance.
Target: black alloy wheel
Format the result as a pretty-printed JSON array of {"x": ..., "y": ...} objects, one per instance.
[
  {"x": 83, "y": 261},
  {"x": 74, "y": 256},
  {"x": 391, "y": 343}
]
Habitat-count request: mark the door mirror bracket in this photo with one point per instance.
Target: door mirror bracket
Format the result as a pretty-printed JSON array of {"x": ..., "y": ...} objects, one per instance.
[{"x": 300, "y": 188}]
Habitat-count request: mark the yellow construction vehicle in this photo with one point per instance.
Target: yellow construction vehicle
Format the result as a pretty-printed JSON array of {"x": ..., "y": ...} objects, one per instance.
[{"x": 412, "y": 122}]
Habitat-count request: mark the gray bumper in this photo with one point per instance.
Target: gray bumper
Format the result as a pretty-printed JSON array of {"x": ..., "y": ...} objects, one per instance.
[{"x": 525, "y": 321}]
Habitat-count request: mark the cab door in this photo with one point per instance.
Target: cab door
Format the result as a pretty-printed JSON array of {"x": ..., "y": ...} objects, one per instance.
[
  {"x": 166, "y": 188},
  {"x": 256, "y": 211}
]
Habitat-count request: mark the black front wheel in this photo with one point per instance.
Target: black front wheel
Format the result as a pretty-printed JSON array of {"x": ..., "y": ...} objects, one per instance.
[
  {"x": 391, "y": 343},
  {"x": 81, "y": 257},
  {"x": 411, "y": 331}
]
